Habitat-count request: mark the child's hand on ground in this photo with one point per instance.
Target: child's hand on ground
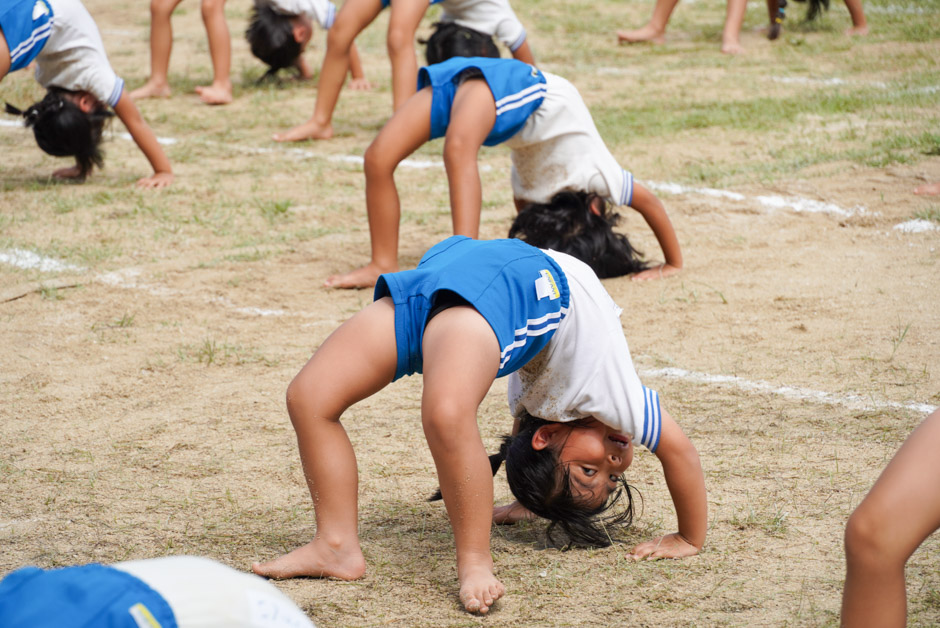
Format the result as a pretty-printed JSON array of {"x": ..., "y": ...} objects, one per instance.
[
  {"x": 158, "y": 180},
  {"x": 360, "y": 84},
  {"x": 512, "y": 513},
  {"x": 657, "y": 272},
  {"x": 669, "y": 546}
]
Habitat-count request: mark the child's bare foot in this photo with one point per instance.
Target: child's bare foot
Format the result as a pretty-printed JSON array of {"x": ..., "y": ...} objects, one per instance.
[
  {"x": 151, "y": 89},
  {"x": 364, "y": 277},
  {"x": 861, "y": 31},
  {"x": 309, "y": 130},
  {"x": 72, "y": 173},
  {"x": 646, "y": 34},
  {"x": 928, "y": 189},
  {"x": 215, "y": 94},
  {"x": 732, "y": 48},
  {"x": 479, "y": 588},
  {"x": 316, "y": 559}
]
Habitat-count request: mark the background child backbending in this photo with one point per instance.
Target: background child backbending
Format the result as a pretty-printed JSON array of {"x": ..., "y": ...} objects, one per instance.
[
  {"x": 473, "y": 102},
  {"x": 72, "y": 65},
  {"x": 280, "y": 30},
  {"x": 488, "y": 16},
  {"x": 470, "y": 312}
]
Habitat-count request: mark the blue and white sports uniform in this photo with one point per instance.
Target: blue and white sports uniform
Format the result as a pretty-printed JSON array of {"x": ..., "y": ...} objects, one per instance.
[
  {"x": 67, "y": 46},
  {"x": 586, "y": 369},
  {"x": 518, "y": 89},
  {"x": 167, "y": 592},
  {"x": 89, "y": 596},
  {"x": 558, "y": 330},
  {"x": 517, "y": 288},
  {"x": 26, "y": 26}
]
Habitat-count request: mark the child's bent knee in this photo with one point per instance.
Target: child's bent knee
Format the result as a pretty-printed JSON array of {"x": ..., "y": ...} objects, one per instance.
[{"x": 867, "y": 538}]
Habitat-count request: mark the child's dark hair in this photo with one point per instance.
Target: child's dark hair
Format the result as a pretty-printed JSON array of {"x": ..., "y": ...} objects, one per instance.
[
  {"x": 449, "y": 39},
  {"x": 62, "y": 129},
  {"x": 271, "y": 37},
  {"x": 567, "y": 224},
  {"x": 815, "y": 8},
  {"x": 542, "y": 485}
]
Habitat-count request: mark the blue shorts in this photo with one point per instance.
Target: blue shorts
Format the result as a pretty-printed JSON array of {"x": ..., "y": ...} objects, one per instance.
[
  {"x": 520, "y": 291},
  {"x": 386, "y": 3},
  {"x": 26, "y": 26},
  {"x": 518, "y": 89},
  {"x": 88, "y": 596}
]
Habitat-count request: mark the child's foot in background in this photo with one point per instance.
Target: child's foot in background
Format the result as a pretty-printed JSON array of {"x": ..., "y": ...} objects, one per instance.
[
  {"x": 641, "y": 35},
  {"x": 215, "y": 94},
  {"x": 151, "y": 89},
  {"x": 309, "y": 130}
]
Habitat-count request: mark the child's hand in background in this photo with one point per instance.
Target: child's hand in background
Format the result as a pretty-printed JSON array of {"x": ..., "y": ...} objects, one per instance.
[
  {"x": 512, "y": 513},
  {"x": 656, "y": 272},
  {"x": 669, "y": 546}
]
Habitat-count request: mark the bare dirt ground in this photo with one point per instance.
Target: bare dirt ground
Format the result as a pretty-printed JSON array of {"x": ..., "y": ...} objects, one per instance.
[{"x": 141, "y": 400}]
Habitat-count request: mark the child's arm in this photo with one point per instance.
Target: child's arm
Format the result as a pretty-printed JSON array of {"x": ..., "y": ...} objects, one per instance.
[
  {"x": 358, "y": 78},
  {"x": 655, "y": 215},
  {"x": 524, "y": 53},
  {"x": 686, "y": 483},
  {"x": 145, "y": 139}
]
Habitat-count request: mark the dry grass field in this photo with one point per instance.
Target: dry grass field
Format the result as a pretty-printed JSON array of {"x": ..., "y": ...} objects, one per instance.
[{"x": 148, "y": 336}]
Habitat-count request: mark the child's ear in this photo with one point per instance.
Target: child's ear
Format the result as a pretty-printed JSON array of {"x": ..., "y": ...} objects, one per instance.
[
  {"x": 302, "y": 31},
  {"x": 86, "y": 102},
  {"x": 597, "y": 206},
  {"x": 545, "y": 436}
]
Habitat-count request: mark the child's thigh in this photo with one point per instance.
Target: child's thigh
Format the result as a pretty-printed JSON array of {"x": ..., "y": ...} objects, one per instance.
[
  {"x": 461, "y": 357},
  {"x": 354, "y": 16},
  {"x": 407, "y": 130},
  {"x": 472, "y": 115},
  {"x": 404, "y": 19},
  {"x": 355, "y": 361}
]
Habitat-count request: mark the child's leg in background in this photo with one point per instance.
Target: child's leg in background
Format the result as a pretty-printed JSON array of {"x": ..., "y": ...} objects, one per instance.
[
  {"x": 655, "y": 29},
  {"x": 734, "y": 18},
  {"x": 356, "y": 361},
  {"x": 352, "y": 18},
  {"x": 400, "y": 41},
  {"x": 901, "y": 510},
  {"x": 859, "y": 23},
  {"x": 408, "y": 129},
  {"x": 220, "y": 49},
  {"x": 471, "y": 119},
  {"x": 161, "y": 43},
  {"x": 461, "y": 359}
]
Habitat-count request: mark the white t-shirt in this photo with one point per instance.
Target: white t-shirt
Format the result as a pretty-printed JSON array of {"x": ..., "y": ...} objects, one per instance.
[
  {"x": 559, "y": 149},
  {"x": 204, "y": 593},
  {"x": 74, "y": 57},
  {"x": 323, "y": 11},
  {"x": 491, "y": 17},
  {"x": 586, "y": 369}
]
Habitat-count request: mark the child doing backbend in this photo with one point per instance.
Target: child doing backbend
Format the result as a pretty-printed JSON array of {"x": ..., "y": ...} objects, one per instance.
[
  {"x": 280, "y": 30},
  {"x": 470, "y": 312},
  {"x": 474, "y": 102},
  {"x": 72, "y": 65},
  {"x": 898, "y": 514},
  {"x": 493, "y": 17}
]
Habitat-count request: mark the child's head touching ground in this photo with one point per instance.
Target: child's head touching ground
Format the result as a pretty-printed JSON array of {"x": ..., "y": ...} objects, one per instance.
[
  {"x": 579, "y": 224},
  {"x": 572, "y": 475},
  {"x": 68, "y": 124},
  {"x": 277, "y": 39},
  {"x": 450, "y": 39}
]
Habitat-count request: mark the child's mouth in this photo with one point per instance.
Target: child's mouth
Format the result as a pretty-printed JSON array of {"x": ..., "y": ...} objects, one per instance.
[{"x": 620, "y": 439}]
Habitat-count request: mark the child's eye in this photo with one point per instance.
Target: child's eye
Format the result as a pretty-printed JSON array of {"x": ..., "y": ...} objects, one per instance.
[
  {"x": 589, "y": 472},
  {"x": 614, "y": 478}
]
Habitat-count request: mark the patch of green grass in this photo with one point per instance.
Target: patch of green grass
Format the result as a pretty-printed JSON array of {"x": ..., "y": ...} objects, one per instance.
[
  {"x": 274, "y": 211},
  {"x": 932, "y": 214},
  {"x": 210, "y": 352}
]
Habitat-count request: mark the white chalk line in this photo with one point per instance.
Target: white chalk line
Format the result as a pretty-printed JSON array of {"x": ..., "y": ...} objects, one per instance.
[
  {"x": 794, "y": 203},
  {"x": 28, "y": 260},
  {"x": 851, "y": 401},
  {"x": 918, "y": 225}
]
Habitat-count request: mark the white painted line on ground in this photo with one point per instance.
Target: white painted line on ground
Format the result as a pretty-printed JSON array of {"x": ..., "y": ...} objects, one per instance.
[
  {"x": 896, "y": 9},
  {"x": 28, "y": 260},
  {"x": 917, "y": 226},
  {"x": 855, "y": 402},
  {"x": 795, "y": 203}
]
